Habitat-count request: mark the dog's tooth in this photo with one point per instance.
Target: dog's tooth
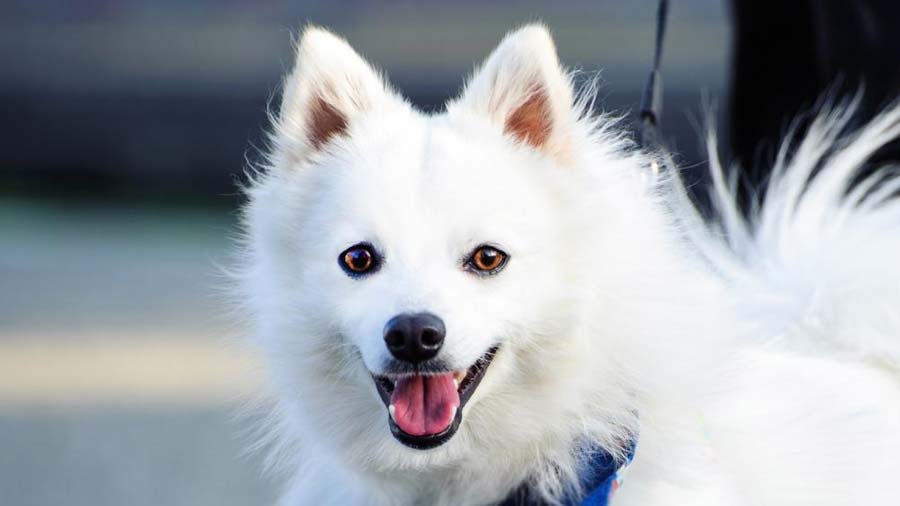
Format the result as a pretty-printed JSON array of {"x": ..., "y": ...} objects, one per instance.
[
  {"x": 455, "y": 409},
  {"x": 456, "y": 383},
  {"x": 391, "y": 411}
]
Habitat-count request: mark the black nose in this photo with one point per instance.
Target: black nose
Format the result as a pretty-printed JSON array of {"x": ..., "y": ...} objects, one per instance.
[{"x": 414, "y": 337}]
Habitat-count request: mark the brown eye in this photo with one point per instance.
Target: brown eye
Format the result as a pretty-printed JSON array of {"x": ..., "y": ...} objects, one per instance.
[
  {"x": 487, "y": 260},
  {"x": 359, "y": 259}
]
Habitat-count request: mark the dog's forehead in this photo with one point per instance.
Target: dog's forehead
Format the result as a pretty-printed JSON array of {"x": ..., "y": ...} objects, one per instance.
[{"x": 423, "y": 161}]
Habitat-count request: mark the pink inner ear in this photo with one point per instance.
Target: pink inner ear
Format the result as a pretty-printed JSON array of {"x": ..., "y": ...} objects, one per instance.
[
  {"x": 530, "y": 122},
  {"x": 325, "y": 121}
]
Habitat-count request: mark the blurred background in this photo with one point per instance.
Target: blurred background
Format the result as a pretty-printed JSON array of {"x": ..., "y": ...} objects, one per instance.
[{"x": 125, "y": 126}]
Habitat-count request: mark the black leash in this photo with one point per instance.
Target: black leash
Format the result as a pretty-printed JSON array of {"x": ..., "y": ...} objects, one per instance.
[{"x": 651, "y": 102}]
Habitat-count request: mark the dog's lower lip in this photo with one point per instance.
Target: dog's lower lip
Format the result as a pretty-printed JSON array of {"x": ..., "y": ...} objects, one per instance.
[{"x": 465, "y": 388}]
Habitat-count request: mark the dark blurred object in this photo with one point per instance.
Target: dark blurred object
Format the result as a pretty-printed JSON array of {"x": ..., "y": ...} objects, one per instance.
[{"x": 788, "y": 55}]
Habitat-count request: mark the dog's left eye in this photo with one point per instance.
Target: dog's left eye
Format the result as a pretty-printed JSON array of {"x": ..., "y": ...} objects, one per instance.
[
  {"x": 359, "y": 259},
  {"x": 487, "y": 260}
]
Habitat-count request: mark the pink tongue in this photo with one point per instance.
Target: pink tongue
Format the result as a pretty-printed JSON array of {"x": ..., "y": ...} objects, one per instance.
[{"x": 424, "y": 405}]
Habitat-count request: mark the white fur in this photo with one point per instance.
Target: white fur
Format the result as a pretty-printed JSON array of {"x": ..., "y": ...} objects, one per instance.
[{"x": 752, "y": 362}]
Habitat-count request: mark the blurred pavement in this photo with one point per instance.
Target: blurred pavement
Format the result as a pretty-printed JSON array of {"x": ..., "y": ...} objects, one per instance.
[{"x": 119, "y": 379}]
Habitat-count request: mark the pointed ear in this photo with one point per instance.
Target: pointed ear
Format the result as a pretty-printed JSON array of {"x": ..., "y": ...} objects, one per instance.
[
  {"x": 522, "y": 89},
  {"x": 329, "y": 86}
]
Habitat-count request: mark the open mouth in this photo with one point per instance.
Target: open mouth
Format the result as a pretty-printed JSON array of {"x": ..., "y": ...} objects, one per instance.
[{"x": 425, "y": 410}]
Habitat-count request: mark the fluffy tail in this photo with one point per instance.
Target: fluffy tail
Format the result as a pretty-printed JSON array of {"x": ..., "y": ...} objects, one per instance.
[{"x": 818, "y": 264}]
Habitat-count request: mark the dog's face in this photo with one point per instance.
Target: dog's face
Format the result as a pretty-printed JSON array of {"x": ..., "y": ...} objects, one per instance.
[
  {"x": 424, "y": 267},
  {"x": 413, "y": 272}
]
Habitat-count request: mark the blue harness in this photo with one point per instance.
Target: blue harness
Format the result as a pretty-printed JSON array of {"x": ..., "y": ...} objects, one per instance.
[
  {"x": 600, "y": 478},
  {"x": 603, "y": 475}
]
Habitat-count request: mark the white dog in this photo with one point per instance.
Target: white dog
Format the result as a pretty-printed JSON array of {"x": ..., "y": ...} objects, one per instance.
[{"x": 508, "y": 302}]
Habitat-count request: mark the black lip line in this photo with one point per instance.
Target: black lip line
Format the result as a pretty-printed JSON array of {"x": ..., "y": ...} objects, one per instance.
[
  {"x": 474, "y": 375},
  {"x": 473, "y": 378}
]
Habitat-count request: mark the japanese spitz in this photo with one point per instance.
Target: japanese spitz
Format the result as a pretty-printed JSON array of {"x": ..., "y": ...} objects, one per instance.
[{"x": 472, "y": 306}]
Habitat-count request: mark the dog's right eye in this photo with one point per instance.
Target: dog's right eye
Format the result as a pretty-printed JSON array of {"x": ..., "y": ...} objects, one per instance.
[
  {"x": 486, "y": 260},
  {"x": 359, "y": 259}
]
